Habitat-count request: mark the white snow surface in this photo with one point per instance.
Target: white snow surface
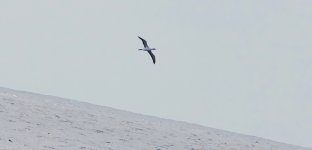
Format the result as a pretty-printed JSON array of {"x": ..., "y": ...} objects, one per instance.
[{"x": 31, "y": 121}]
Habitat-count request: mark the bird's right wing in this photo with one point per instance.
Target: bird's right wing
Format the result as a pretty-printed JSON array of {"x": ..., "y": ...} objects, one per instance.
[{"x": 144, "y": 42}]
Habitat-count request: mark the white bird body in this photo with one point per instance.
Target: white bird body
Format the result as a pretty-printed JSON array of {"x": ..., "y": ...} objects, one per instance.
[{"x": 147, "y": 49}]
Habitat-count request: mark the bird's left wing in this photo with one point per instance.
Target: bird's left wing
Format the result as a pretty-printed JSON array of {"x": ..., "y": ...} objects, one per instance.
[{"x": 153, "y": 56}]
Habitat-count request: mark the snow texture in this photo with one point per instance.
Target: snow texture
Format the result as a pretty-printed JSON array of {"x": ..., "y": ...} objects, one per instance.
[{"x": 38, "y": 122}]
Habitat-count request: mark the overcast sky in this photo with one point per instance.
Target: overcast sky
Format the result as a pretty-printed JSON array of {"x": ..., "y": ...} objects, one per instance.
[{"x": 243, "y": 66}]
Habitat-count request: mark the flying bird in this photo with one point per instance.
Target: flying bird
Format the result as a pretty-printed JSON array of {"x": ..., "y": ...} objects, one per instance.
[{"x": 149, "y": 50}]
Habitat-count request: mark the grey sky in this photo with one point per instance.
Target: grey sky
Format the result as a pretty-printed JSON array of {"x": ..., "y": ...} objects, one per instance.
[{"x": 243, "y": 66}]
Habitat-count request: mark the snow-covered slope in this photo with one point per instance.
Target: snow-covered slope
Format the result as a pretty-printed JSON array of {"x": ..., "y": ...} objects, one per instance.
[{"x": 37, "y": 122}]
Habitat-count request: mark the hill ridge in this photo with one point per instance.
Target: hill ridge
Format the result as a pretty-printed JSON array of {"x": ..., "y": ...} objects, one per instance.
[{"x": 43, "y": 122}]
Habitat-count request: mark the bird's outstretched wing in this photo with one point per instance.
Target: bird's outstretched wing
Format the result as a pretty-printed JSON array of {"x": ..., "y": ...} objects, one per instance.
[
  {"x": 144, "y": 42},
  {"x": 153, "y": 56}
]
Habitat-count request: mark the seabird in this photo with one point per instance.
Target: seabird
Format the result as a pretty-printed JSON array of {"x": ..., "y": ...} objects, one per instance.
[{"x": 149, "y": 50}]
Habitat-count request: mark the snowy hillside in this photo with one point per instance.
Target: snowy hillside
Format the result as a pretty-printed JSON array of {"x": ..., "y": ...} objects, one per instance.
[{"x": 37, "y": 122}]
